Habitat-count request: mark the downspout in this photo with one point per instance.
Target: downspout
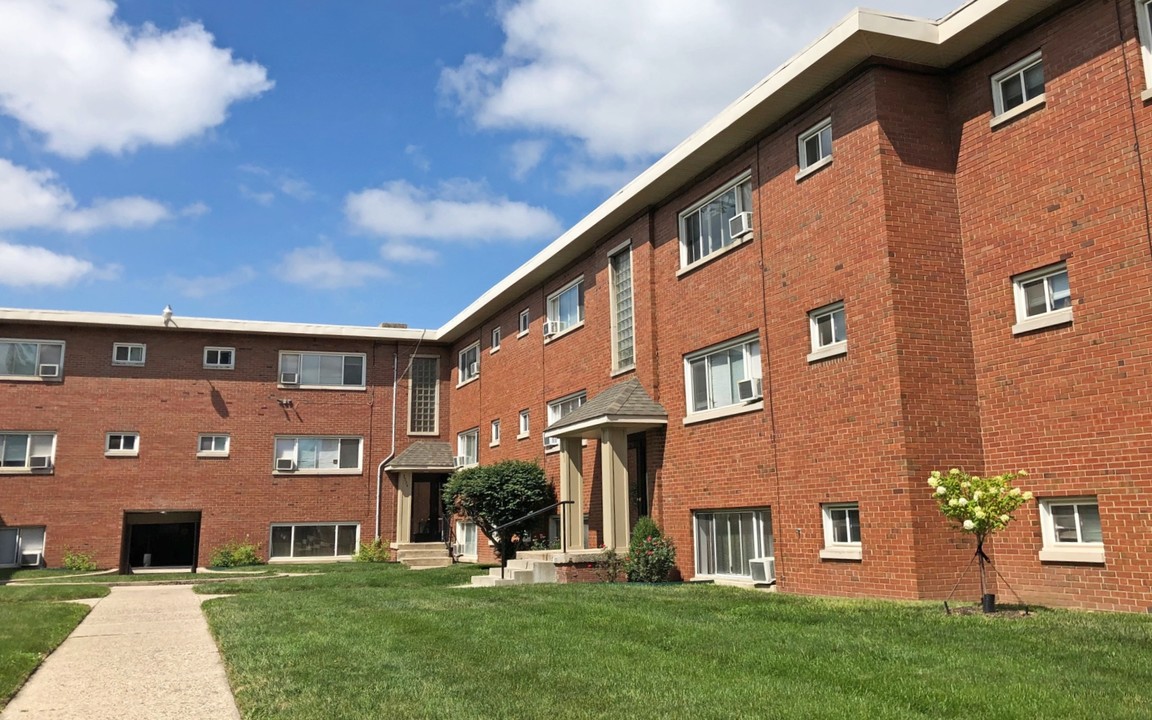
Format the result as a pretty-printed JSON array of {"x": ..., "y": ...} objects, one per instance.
[{"x": 391, "y": 452}]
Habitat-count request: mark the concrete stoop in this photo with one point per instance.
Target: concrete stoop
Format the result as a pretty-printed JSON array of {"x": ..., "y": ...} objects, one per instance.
[
  {"x": 422, "y": 556},
  {"x": 520, "y": 571}
]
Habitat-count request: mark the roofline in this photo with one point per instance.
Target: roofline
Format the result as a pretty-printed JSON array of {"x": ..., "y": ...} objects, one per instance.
[
  {"x": 605, "y": 419},
  {"x": 422, "y": 468},
  {"x": 861, "y": 36}
]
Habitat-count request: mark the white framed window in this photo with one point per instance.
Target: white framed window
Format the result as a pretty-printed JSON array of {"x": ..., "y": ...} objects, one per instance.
[
  {"x": 122, "y": 444},
  {"x": 213, "y": 446},
  {"x": 322, "y": 370},
  {"x": 525, "y": 322},
  {"x": 623, "y": 330},
  {"x": 815, "y": 147},
  {"x": 1018, "y": 88},
  {"x": 706, "y": 227},
  {"x": 128, "y": 353},
  {"x": 1144, "y": 25},
  {"x": 469, "y": 364},
  {"x": 219, "y": 358},
  {"x": 723, "y": 379},
  {"x": 828, "y": 332},
  {"x": 23, "y": 452},
  {"x": 495, "y": 340},
  {"x": 565, "y": 309},
  {"x": 424, "y": 396},
  {"x": 466, "y": 539},
  {"x": 318, "y": 455},
  {"x": 495, "y": 434},
  {"x": 468, "y": 448},
  {"x": 1072, "y": 530},
  {"x": 1043, "y": 298},
  {"x": 841, "y": 531},
  {"x": 21, "y": 546},
  {"x": 313, "y": 540},
  {"x": 31, "y": 359},
  {"x": 558, "y": 409},
  {"x": 728, "y": 540},
  {"x": 525, "y": 425}
]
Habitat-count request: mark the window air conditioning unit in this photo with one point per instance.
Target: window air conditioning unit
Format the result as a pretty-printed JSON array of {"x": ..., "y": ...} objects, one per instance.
[
  {"x": 763, "y": 570},
  {"x": 473, "y": 369},
  {"x": 289, "y": 378},
  {"x": 458, "y": 550},
  {"x": 40, "y": 462},
  {"x": 750, "y": 389},
  {"x": 48, "y": 371},
  {"x": 460, "y": 461},
  {"x": 740, "y": 224},
  {"x": 553, "y": 327},
  {"x": 285, "y": 465},
  {"x": 551, "y": 442},
  {"x": 30, "y": 559}
]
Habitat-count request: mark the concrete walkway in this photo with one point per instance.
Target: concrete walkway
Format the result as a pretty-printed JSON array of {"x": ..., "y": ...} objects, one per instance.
[{"x": 142, "y": 653}]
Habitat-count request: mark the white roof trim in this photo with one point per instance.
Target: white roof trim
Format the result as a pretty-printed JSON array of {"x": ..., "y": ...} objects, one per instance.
[{"x": 603, "y": 420}]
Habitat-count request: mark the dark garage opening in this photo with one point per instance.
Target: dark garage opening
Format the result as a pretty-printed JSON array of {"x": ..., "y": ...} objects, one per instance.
[{"x": 162, "y": 539}]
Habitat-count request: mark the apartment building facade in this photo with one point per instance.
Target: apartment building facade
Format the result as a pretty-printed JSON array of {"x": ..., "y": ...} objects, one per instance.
[{"x": 915, "y": 246}]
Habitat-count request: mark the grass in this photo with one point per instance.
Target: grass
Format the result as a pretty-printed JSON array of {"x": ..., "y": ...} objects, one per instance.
[
  {"x": 354, "y": 641},
  {"x": 55, "y": 577},
  {"x": 33, "y": 622}
]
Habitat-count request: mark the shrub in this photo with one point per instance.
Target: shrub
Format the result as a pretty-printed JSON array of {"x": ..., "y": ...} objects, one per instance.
[
  {"x": 376, "y": 551},
  {"x": 978, "y": 505},
  {"x": 610, "y": 567},
  {"x": 236, "y": 554},
  {"x": 651, "y": 556},
  {"x": 78, "y": 561},
  {"x": 493, "y": 495},
  {"x": 645, "y": 527}
]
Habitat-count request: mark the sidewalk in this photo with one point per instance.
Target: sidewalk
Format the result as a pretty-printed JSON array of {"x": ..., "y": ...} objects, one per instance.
[{"x": 142, "y": 653}]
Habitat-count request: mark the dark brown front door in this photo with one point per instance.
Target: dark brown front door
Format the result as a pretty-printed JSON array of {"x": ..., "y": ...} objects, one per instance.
[{"x": 427, "y": 508}]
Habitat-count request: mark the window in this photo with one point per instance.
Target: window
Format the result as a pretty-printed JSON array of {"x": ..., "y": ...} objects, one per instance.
[
  {"x": 829, "y": 337},
  {"x": 31, "y": 359},
  {"x": 815, "y": 147},
  {"x": 128, "y": 354},
  {"x": 318, "y": 455},
  {"x": 466, "y": 539},
  {"x": 327, "y": 540},
  {"x": 706, "y": 228},
  {"x": 26, "y": 452},
  {"x": 1072, "y": 531},
  {"x": 524, "y": 425},
  {"x": 565, "y": 309},
  {"x": 495, "y": 433},
  {"x": 219, "y": 358},
  {"x": 525, "y": 322},
  {"x": 21, "y": 546},
  {"x": 495, "y": 340},
  {"x": 841, "y": 532},
  {"x": 424, "y": 397},
  {"x": 122, "y": 444},
  {"x": 559, "y": 408},
  {"x": 727, "y": 541},
  {"x": 1144, "y": 23},
  {"x": 1018, "y": 87},
  {"x": 468, "y": 448},
  {"x": 1043, "y": 298},
  {"x": 322, "y": 370},
  {"x": 213, "y": 446},
  {"x": 718, "y": 377},
  {"x": 623, "y": 333},
  {"x": 469, "y": 363}
]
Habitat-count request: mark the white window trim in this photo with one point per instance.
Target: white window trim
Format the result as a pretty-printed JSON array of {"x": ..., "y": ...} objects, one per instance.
[
  {"x": 461, "y": 382},
  {"x": 1080, "y": 552},
  {"x": 617, "y": 368},
  {"x": 525, "y": 425},
  {"x": 468, "y": 557},
  {"x": 214, "y": 453},
  {"x": 460, "y": 445},
  {"x": 494, "y": 433},
  {"x": 764, "y": 517},
  {"x": 20, "y": 531},
  {"x": 555, "y": 447},
  {"x": 134, "y": 452},
  {"x": 218, "y": 366},
  {"x": 723, "y": 412},
  {"x": 130, "y": 363},
  {"x": 496, "y": 338},
  {"x": 576, "y": 283},
  {"x": 685, "y": 266},
  {"x": 1025, "y": 324},
  {"x": 28, "y": 469},
  {"x": 293, "y": 558},
  {"x": 358, "y": 470},
  {"x": 520, "y": 322},
  {"x": 36, "y": 378},
  {"x": 999, "y": 114},
  {"x": 834, "y": 349},
  {"x": 362, "y": 387},
  {"x": 806, "y": 170},
  {"x": 436, "y": 421},
  {"x": 833, "y": 550},
  {"x": 736, "y": 408}
]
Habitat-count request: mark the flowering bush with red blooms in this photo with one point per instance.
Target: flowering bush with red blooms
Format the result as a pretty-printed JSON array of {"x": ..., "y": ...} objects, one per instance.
[{"x": 651, "y": 556}]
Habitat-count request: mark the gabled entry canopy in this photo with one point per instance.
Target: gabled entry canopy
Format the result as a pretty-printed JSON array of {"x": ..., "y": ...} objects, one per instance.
[
  {"x": 424, "y": 456},
  {"x": 626, "y": 405}
]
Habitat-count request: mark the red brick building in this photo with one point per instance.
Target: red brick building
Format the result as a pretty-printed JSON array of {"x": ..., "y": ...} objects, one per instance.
[{"x": 917, "y": 245}]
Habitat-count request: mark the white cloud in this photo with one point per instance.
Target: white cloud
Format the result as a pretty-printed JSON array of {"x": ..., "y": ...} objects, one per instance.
[
  {"x": 416, "y": 154},
  {"x": 275, "y": 182},
  {"x": 458, "y": 210},
  {"x": 70, "y": 70},
  {"x": 577, "y": 176},
  {"x": 526, "y": 155},
  {"x": 196, "y": 209},
  {"x": 27, "y": 266},
  {"x": 203, "y": 286},
  {"x": 633, "y": 79},
  {"x": 402, "y": 252},
  {"x": 34, "y": 199},
  {"x": 263, "y": 197},
  {"x": 320, "y": 267}
]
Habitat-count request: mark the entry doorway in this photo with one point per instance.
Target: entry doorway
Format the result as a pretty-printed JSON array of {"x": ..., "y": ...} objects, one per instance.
[
  {"x": 164, "y": 539},
  {"x": 427, "y": 508}
]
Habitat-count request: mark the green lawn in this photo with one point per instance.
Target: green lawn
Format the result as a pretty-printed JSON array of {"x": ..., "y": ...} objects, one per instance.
[
  {"x": 57, "y": 577},
  {"x": 32, "y": 623},
  {"x": 356, "y": 641}
]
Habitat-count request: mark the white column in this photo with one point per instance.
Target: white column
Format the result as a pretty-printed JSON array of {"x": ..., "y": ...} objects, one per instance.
[
  {"x": 614, "y": 476},
  {"x": 572, "y": 488},
  {"x": 404, "y": 508}
]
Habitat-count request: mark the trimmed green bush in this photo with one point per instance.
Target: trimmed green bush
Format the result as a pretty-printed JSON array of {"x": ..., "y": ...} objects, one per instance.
[
  {"x": 492, "y": 495},
  {"x": 236, "y": 554},
  {"x": 78, "y": 561},
  {"x": 651, "y": 556},
  {"x": 376, "y": 551}
]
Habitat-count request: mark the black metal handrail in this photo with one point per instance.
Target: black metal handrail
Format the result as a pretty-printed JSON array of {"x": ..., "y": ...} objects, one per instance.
[{"x": 504, "y": 540}]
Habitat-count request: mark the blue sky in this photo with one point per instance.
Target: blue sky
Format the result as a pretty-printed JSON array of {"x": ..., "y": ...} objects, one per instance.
[{"x": 343, "y": 162}]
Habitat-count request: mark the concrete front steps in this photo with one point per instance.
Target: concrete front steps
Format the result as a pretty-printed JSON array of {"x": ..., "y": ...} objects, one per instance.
[
  {"x": 422, "y": 556},
  {"x": 527, "y": 568}
]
